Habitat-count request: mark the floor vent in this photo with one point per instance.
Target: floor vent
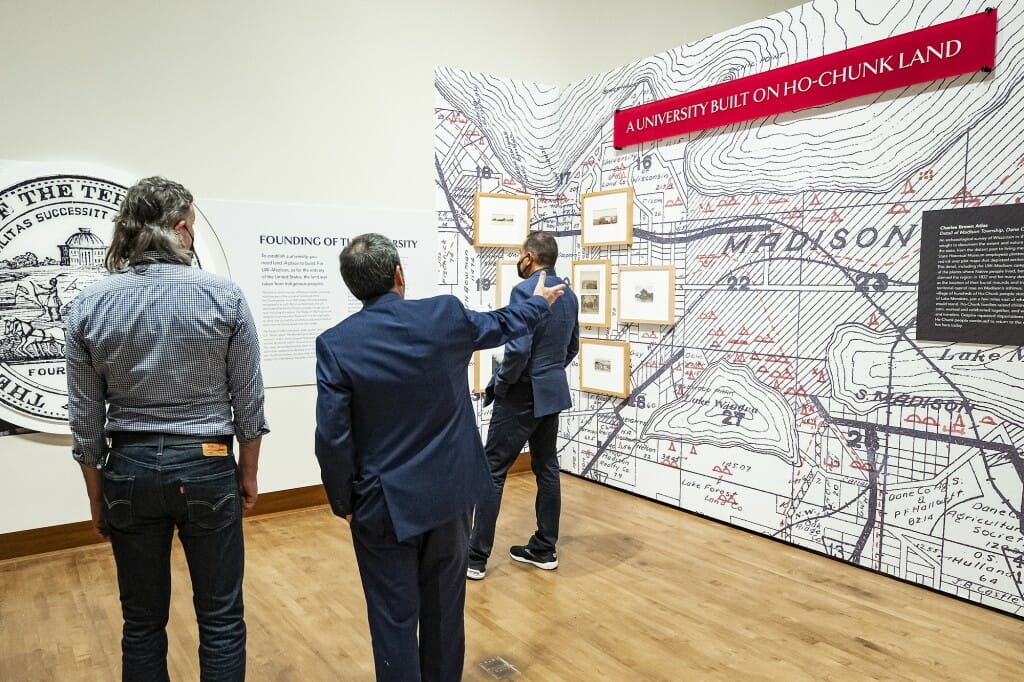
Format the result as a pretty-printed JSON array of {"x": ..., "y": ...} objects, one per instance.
[{"x": 499, "y": 668}]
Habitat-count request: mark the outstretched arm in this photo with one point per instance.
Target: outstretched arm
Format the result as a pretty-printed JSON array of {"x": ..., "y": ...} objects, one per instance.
[{"x": 497, "y": 327}]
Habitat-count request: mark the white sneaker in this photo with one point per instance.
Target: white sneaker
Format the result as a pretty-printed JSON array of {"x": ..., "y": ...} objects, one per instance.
[{"x": 476, "y": 573}]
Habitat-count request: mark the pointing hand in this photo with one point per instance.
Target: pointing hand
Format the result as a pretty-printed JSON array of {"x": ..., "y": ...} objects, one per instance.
[{"x": 549, "y": 293}]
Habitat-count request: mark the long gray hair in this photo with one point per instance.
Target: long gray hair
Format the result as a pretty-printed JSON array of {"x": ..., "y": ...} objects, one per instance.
[{"x": 144, "y": 227}]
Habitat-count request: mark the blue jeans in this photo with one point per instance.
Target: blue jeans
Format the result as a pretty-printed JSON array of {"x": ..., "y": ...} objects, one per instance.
[
  {"x": 149, "y": 487},
  {"x": 512, "y": 426}
]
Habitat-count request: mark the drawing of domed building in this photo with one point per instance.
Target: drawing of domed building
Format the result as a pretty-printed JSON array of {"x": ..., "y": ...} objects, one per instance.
[{"x": 83, "y": 249}]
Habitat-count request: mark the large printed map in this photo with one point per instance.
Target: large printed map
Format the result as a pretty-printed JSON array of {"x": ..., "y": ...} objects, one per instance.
[{"x": 790, "y": 396}]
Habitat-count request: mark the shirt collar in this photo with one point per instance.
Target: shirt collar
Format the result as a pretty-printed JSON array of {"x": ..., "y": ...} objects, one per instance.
[{"x": 382, "y": 299}]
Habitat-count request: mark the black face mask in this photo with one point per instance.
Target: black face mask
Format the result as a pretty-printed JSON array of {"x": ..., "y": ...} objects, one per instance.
[
  {"x": 192, "y": 250},
  {"x": 519, "y": 267}
]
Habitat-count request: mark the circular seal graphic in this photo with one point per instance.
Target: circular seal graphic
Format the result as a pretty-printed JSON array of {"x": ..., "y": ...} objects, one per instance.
[{"x": 54, "y": 233}]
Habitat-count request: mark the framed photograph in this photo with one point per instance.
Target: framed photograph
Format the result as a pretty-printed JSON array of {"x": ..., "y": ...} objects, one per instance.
[
  {"x": 607, "y": 217},
  {"x": 604, "y": 367},
  {"x": 591, "y": 280},
  {"x": 506, "y": 279},
  {"x": 485, "y": 364},
  {"x": 500, "y": 219},
  {"x": 647, "y": 294}
]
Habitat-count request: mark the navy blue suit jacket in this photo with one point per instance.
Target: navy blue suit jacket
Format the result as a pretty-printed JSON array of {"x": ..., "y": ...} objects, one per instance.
[
  {"x": 542, "y": 356},
  {"x": 395, "y": 429}
]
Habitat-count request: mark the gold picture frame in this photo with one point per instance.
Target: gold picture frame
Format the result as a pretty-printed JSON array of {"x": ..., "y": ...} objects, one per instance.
[
  {"x": 482, "y": 372},
  {"x": 604, "y": 367},
  {"x": 606, "y": 218},
  {"x": 500, "y": 219},
  {"x": 647, "y": 294},
  {"x": 591, "y": 280},
  {"x": 505, "y": 279}
]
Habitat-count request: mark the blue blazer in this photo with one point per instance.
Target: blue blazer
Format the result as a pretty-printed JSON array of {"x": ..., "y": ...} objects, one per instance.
[
  {"x": 541, "y": 357},
  {"x": 396, "y": 434}
]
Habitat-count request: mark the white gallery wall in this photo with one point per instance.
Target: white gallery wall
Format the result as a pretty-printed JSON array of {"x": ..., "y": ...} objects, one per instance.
[
  {"x": 314, "y": 101},
  {"x": 320, "y": 101}
]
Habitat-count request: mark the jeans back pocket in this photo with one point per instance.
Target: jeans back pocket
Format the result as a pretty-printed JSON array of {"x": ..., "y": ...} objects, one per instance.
[
  {"x": 213, "y": 501},
  {"x": 117, "y": 499}
]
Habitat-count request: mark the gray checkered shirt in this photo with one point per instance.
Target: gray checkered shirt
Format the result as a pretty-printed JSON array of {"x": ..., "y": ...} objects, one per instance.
[{"x": 164, "y": 349}]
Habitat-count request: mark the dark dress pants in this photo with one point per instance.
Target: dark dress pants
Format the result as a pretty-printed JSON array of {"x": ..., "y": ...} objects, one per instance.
[
  {"x": 512, "y": 426},
  {"x": 418, "y": 582}
]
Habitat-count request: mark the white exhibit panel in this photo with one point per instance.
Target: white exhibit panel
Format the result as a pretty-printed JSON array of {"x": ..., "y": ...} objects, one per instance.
[
  {"x": 784, "y": 392},
  {"x": 285, "y": 259}
]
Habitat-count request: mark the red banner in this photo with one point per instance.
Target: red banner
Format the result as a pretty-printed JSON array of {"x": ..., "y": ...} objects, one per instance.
[{"x": 941, "y": 51}]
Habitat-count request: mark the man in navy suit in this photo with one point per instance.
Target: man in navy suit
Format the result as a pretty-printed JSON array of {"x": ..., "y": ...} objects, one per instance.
[
  {"x": 529, "y": 391},
  {"x": 400, "y": 453}
]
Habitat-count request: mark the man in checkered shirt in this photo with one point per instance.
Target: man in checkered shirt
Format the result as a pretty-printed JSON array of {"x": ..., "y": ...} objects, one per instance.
[{"x": 162, "y": 359}]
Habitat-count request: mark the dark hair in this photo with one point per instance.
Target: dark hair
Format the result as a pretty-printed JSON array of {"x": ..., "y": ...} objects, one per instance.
[
  {"x": 544, "y": 248},
  {"x": 144, "y": 227},
  {"x": 368, "y": 265}
]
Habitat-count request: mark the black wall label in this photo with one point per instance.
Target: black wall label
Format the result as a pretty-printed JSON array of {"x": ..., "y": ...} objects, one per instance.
[{"x": 972, "y": 275}]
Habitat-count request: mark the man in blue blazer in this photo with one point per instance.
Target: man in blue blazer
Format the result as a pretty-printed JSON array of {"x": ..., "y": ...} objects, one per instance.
[
  {"x": 529, "y": 391},
  {"x": 400, "y": 453}
]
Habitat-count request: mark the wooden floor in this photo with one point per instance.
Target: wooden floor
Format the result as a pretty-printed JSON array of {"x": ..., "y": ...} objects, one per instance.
[{"x": 643, "y": 592}]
